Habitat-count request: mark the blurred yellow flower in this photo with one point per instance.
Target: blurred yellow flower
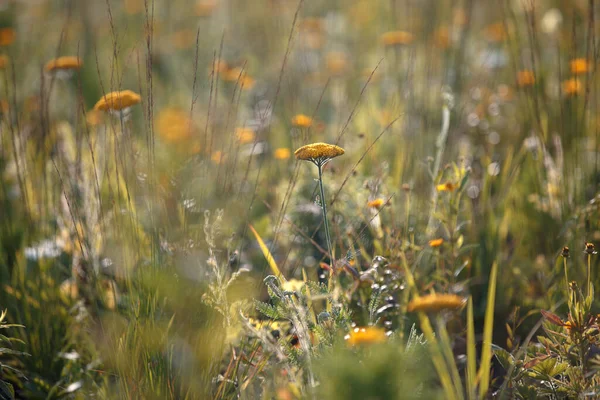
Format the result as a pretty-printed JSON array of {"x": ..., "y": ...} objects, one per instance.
[
  {"x": 63, "y": 63},
  {"x": 4, "y": 61},
  {"x": 436, "y": 302},
  {"x": 94, "y": 117},
  {"x": 217, "y": 157},
  {"x": 183, "y": 39},
  {"x": 441, "y": 37},
  {"x": 205, "y": 8},
  {"x": 572, "y": 87},
  {"x": 7, "y": 36},
  {"x": 525, "y": 78},
  {"x": 282, "y": 153},
  {"x": 318, "y": 152},
  {"x": 446, "y": 187},
  {"x": 395, "y": 38},
  {"x": 336, "y": 62},
  {"x": 117, "y": 101},
  {"x": 366, "y": 335},
  {"x": 495, "y": 32},
  {"x": 436, "y": 242},
  {"x": 174, "y": 125},
  {"x": 245, "y": 135},
  {"x": 377, "y": 203},
  {"x": 293, "y": 285},
  {"x": 580, "y": 66},
  {"x": 301, "y": 121}
]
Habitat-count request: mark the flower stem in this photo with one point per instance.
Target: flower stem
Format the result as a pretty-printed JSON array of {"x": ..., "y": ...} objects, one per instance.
[
  {"x": 589, "y": 269},
  {"x": 325, "y": 222},
  {"x": 566, "y": 279}
]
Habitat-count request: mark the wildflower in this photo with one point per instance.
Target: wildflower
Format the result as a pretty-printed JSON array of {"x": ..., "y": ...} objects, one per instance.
[
  {"x": 495, "y": 32},
  {"x": 64, "y": 66},
  {"x": 3, "y": 61},
  {"x": 565, "y": 252},
  {"x": 406, "y": 187},
  {"x": 183, "y": 39},
  {"x": 366, "y": 335},
  {"x": 568, "y": 325},
  {"x": 302, "y": 121},
  {"x": 245, "y": 135},
  {"x": 377, "y": 203},
  {"x": 446, "y": 187},
  {"x": 217, "y": 157},
  {"x": 590, "y": 248},
  {"x": 572, "y": 87},
  {"x": 580, "y": 66},
  {"x": 436, "y": 242},
  {"x": 282, "y": 153},
  {"x": 525, "y": 78},
  {"x": 318, "y": 153},
  {"x": 118, "y": 101},
  {"x": 205, "y": 8},
  {"x": 396, "y": 38},
  {"x": 219, "y": 66},
  {"x": 441, "y": 38},
  {"x": 336, "y": 62},
  {"x": 174, "y": 125},
  {"x": 436, "y": 302},
  {"x": 7, "y": 36},
  {"x": 247, "y": 82}
]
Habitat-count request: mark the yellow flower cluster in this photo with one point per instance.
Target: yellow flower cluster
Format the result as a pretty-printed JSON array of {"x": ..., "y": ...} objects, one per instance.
[
  {"x": 366, "y": 335},
  {"x": 436, "y": 302},
  {"x": 318, "y": 151},
  {"x": 396, "y": 38},
  {"x": 63, "y": 63},
  {"x": 117, "y": 101}
]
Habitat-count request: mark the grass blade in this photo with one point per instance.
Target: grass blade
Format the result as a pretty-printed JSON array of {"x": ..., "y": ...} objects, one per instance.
[
  {"x": 267, "y": 254},
  {"x": 486, "y": 352},
  {"x": 471, "y": 351}
]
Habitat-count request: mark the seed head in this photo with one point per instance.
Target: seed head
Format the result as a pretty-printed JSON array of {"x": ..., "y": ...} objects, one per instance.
[
  {"x": 565, "y": 252},
  {"x": 590, "y": 248}
]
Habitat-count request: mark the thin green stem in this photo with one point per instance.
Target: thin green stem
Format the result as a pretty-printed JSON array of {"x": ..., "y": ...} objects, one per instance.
[
  {"x": 567, "y": 280},
  {"x": 589, "y": 270},
  {"x": 325, "y": 221}
]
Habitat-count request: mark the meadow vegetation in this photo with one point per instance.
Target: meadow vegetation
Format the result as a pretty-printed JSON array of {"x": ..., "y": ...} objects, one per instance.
[{"x": 299, "y": 199}]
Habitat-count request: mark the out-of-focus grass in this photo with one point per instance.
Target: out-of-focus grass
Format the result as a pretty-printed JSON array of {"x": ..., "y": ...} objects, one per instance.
[{"x": 128, "y": 241}]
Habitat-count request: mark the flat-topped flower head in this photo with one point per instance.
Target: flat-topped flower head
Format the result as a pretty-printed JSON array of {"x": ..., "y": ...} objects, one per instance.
[
  {"x": 436, "y": 302},
  {"x": 118, "y": 102},
  {"x": 525, "y": 78},
  {"x": 365, "y": 336},
  {"x": 318, "y": 153},
  {"x": 397, "y": 38},
  {"x": 580, "y": 66},
  {"x": 63, "y": 63},
  {"x": 302, "y": 121}
]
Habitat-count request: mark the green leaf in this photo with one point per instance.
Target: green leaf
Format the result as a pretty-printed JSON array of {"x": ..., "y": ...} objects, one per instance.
[
  {"x": 6, "y": 391},
  {"x": 505, "y": 359},
  {"x": 488, "y": 325}
]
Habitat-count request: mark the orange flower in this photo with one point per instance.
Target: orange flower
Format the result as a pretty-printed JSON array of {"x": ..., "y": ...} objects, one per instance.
[
  {"x": 7, "y": 36},
  {"x": 205, "y": 8},
  {"x": 302, "y": 121},
  {"x": 377, "y": 203},
  {"x": 94, "y": 117},
  {"x": 580, "y": 66},
  {"x": 436, "y": 302},
  {"x": 446, "y": 187},
  {"x": 336, "y": 62},
  {"x": 218, "y": 157},
  {"x": 174, "y": 125},
  {"x": 63, "y": 63},
  {"x": 572, "y": 87},
  {"x": 436, "y": 242},
  {"x": 441, "y": 37},
  {"x": 118, "y": 101},
  {"x": 282, "y": 153},
  {"x": 396, "y": 38},
  {"x": 366, "y": 335},
  {"x": 4, "y": 61},
  {"x": 495, "y": 32},
  {"x": 183, "y": 39},
  {"x": 245, "y": 135},
  {"x": 525, "y": 78}
]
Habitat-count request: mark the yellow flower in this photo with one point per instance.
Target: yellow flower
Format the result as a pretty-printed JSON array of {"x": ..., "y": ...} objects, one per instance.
[
  {"x": 436, "y": 242},
  {"x": 396, "y": 38},
  {"x": 441, "y": 38},
  {"x": 205, "y": 8},
  {"x": 525, "y": 78},
  {"x": 7, "y": 36},
  {"x": 436, "y": 302},
  {"x": 218, "y": 157},
  {"x": 336, "y": 62},
  {"x": 183, "y": 39},
  {"x": 572, "y": 87},
  {"x": 245, "y": 135},
  {"x": 174, "y": 125},
  {"x": 63, "y": 63},
  {"x": 377, "y": 203},
  {"x": 366, "y": 335},
  {"x": 117, "y": 101},
  {"x": 495, "y": 32},
  {"x": 446, "y": 187},
  {"x": 282, "y": 153},
  {"x": 580, "y": 66},
  {"x": 318, "y": 153},
  {"x": 302, "y": 121}
]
